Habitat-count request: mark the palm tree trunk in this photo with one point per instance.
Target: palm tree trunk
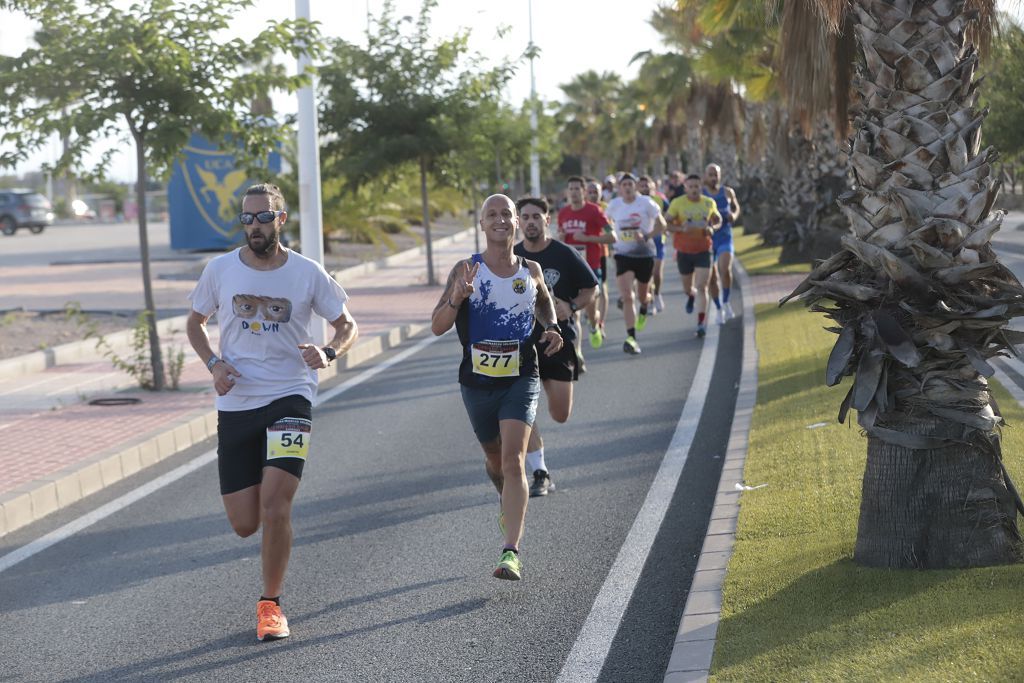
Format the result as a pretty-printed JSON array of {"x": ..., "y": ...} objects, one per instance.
[
  {"x": 920, "y": 297},
  {"x": 936, "y": 508},
  {"x": 156, "y": 359}
]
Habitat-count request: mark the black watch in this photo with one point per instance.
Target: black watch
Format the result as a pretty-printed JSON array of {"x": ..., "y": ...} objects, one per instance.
[
  {"x": 331, "y": 354},
  {"x": 553, "y": 326},
  {"x": 573, "y": 307}
]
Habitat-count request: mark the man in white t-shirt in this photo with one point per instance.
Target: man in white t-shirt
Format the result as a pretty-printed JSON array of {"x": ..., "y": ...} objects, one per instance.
[
  {"x": 265, "y": 377},
  {"x": 637, "y": 220}
]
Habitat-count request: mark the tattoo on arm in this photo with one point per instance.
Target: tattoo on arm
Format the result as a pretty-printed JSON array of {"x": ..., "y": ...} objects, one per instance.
[{"x": 448, "y": 288}]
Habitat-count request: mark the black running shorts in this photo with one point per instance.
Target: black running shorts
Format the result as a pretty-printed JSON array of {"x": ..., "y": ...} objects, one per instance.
[
  {"x": 688, "y": 262},
  {"x": 642, "y": 266},
  {"x": 564, "y": 366},
  {"x": 242, "y": 450}
]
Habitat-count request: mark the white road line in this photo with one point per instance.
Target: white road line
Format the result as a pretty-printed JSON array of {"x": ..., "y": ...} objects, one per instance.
[
  {"x": 589, "y": 652},
  {"x": 71, "y": 528}
]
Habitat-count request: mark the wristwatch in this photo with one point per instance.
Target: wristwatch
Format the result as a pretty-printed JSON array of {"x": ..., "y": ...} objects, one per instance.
[
  {"x": 573, "y": 307},
  {"x": 553, "y": 326},
  {"x": 213, "y": 361},
  {"x": 330, "y": 353}
]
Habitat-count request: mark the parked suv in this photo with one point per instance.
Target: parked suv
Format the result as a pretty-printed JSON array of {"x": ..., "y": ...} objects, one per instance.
[{"x": 24, "y": 209}]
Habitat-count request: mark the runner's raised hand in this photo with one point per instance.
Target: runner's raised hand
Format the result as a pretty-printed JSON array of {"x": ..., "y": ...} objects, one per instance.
[{"x": 463, "y": 288}]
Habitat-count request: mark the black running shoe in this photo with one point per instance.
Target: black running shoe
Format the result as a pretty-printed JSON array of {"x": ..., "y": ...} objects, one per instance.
[{"x": 541, "y": 485}]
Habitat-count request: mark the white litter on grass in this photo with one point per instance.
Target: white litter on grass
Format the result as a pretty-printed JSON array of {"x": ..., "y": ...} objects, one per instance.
[
  {"x": 817, "y": 424},
  {"x": 744, "y": 487},
  {"x": 78, "y": 602}
]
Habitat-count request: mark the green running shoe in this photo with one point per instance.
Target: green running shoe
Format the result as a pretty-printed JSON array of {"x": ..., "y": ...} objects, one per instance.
[
  {"x": 630, "y": 346},
  {"x": 510, "y": 567},
  {"x": 641, "y": 322},
  {"x": 596, "y": 338}
]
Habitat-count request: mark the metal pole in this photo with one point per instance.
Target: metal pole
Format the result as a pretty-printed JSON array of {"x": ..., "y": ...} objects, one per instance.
[
  {"x": 534, "y": 153},
  {"x": 311, "y": 231}
]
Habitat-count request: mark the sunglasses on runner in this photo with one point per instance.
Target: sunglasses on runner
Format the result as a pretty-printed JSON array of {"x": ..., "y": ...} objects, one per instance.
[{"x": 247, "y": 218}]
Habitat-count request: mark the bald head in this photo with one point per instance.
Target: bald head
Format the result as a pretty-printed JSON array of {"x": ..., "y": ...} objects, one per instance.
[
  {"x": 499, "y": 200},
  {"x": 713, "y": 176}
]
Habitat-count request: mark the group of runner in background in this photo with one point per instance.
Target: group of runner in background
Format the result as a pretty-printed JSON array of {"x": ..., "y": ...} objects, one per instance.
[{"x": 629, "y": 219}]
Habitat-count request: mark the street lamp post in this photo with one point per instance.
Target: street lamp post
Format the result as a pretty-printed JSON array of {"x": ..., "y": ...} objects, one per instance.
[
  {"x": 311, "y": 231},
  {"x": 534, "y": 153}
]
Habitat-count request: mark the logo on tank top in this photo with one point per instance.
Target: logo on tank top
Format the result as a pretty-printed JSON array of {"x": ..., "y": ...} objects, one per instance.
[{"x": 519, "y": 285}]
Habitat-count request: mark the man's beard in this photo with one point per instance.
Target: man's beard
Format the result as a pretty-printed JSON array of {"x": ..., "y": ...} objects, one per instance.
[
  {"x": 536, "y": 238},
  {"x": 269, "y": 242}
]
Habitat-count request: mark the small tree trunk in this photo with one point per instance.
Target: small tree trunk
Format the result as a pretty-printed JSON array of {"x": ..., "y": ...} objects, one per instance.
[
  {"x": 156, "y": 358},
  {"x": 934, "y": 509},
  {"x": 431, "y": 280}
]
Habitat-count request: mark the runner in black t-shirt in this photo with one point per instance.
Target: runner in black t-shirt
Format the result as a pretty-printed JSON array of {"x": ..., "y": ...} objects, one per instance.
[{"x": 573, "y": 285}]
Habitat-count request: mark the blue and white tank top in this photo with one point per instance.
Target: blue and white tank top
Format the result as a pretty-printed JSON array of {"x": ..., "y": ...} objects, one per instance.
[
  {"x": 496, "y": 328},
  {"x": 724, "y": 232}
]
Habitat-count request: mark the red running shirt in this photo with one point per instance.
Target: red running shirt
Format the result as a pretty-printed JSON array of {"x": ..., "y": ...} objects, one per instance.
[{"x": 589, "y": 220}]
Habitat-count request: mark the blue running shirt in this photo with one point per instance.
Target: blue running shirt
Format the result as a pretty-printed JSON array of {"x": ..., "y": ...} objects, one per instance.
[
  {"x": 496, "y": 328},
  {"x": 724, "y": 232}
]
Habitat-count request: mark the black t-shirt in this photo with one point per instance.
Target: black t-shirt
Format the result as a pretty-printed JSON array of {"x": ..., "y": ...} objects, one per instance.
[{"x": 565, "y": 274}]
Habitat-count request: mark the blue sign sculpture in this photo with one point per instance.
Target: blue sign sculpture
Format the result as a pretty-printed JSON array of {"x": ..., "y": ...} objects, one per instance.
[{"x": 204, "y": 196}]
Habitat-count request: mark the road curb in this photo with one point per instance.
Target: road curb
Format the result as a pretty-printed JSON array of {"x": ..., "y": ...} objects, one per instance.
[
  {"x": 695, "y": 640},
  {"x": 33, "y": 501},
  {"x": 85, "y": 350}
]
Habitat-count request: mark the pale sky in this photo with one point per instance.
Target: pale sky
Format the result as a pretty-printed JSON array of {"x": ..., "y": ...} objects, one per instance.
[{"x": 573, "y": 37}]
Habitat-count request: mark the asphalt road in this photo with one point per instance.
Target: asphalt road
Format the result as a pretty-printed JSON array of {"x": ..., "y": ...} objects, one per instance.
[
  {"x": 87, "y": 243},
  {"x": 395, "y": 540}
]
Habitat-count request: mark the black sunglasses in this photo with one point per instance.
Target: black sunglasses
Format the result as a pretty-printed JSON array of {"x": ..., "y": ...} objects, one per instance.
[{"x": 246, "y": 218}]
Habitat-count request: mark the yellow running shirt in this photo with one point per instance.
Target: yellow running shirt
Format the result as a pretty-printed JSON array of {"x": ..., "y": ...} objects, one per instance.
[{"x": 694, "y": 240}]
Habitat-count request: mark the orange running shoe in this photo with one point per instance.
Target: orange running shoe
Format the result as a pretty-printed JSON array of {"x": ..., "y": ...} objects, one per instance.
[{"x": 270, "y": 623}]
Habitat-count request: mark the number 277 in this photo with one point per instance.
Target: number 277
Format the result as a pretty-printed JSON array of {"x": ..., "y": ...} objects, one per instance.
[{"x": 489, "y": 360}]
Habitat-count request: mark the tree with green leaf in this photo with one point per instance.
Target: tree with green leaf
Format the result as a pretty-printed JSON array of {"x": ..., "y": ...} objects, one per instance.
[
  {"x": 405, "y": 97},
  {"x": 1004, "y": 95},
  {"x": 160, "y": 69}
]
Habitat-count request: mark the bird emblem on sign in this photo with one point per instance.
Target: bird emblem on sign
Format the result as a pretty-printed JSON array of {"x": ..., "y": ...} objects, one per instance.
[{"x": 222, "y": 190}]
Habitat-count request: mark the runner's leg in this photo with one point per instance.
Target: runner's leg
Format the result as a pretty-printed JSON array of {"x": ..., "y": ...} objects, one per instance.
[
  {"x": 243, "y": 509},
  {"x": 515, "y": 435},
  {"x": 625, "y": 282},
  {"x": 701, "y": 276},
  {"x": 276, "y": 494}
]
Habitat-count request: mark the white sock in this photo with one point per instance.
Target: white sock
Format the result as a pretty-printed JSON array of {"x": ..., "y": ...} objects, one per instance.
[{"x": 535, "y": 461}]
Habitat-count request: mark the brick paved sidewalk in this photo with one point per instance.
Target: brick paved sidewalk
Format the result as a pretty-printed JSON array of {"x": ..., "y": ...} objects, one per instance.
[{"x": 90, "y": 447}]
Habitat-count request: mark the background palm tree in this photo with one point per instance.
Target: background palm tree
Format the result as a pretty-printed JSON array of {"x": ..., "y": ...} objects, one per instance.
[
  {"x": 919, "y": 299},
  {"x": 589, "y": 119}
]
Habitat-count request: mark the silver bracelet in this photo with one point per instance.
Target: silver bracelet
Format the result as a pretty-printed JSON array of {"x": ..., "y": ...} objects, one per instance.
[{"x": 213, "y": 361}]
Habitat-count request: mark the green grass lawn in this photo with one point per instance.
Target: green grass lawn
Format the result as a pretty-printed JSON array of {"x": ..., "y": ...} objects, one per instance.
[
  {"x": 761, "y": 260},
  {"x": 795, "y": 607}
]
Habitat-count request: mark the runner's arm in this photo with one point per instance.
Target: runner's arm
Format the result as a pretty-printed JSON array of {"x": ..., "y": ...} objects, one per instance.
[
  {"x": 447, "y": 308},
  {"x": 659, "y": 226},
  {"x": 198, "y": 336},
  {"x": 224, "y": 373},
  {"x": 345, "y": 333},
  {"x": 607, "y": 236},
  {"x": 734, "y": 205},
  {"x": 544, "y": 312},
  {"x": 585, "y": 297}
]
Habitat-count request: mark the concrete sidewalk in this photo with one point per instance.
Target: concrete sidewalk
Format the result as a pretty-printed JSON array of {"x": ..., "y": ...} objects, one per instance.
[{"x": 76, "y": 449}]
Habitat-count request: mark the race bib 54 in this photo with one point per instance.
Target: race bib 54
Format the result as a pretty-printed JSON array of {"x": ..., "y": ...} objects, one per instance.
[{"x": 288, "y": 438}]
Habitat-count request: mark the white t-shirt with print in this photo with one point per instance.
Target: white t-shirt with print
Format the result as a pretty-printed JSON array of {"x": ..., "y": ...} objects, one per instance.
[
  {"x": 263, "y": 316},
  {"x": 629, "y": 219}
]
